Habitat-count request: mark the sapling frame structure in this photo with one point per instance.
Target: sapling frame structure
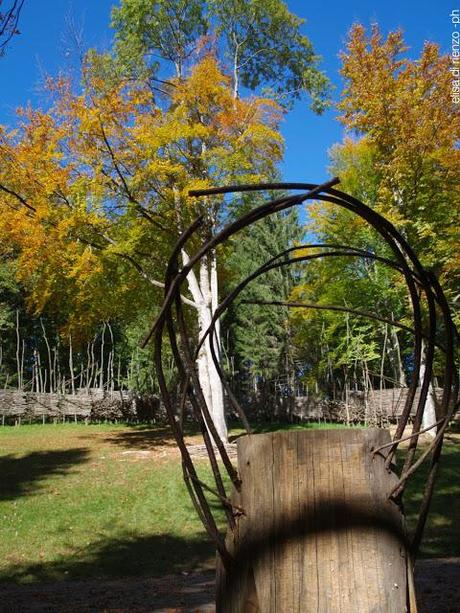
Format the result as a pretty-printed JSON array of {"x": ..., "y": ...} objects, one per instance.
[{"x": 438, "y": 332}]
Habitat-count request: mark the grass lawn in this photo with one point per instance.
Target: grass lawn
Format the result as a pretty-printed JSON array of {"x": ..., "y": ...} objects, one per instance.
[{"x": 107, "y": 501}]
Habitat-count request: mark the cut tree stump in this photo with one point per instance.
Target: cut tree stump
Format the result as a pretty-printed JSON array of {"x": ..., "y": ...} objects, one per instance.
[{"x": 319, "y": 533}]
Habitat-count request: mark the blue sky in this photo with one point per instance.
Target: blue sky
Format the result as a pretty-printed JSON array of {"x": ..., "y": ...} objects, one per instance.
[{"x": 42, "y": 47}]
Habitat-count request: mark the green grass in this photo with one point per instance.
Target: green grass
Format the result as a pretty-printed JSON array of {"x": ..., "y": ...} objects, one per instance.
[
  {"x": 73, "y": 504},
  {"x": 442, "y": 531}
]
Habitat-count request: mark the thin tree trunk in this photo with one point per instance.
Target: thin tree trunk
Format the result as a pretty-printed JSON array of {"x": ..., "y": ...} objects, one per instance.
[
  {"x": 22, "y": 362},
  {"x": 18, "y": 350},
  {"x": 429, "y": 414},
  {"x": 236, "y": 72},
  {"x": 93, "y": 364},
  {"x": 57, "y": 377},
  {"x": 382, "y": 368},
  {"x": 138, "y": 376},
  {"x": 88, "y": 366},
  {"x": 40, "y": 377},
  {"x": 119, "y": 385},
  {"x": 110, "y": 375},
  {"x": 399, "y": 373},
  {"x": 72, "y": 377},
  {"x": 347, "y": 394},
  {"x": 101, "y": 376},
  {"x": 48, "y": 349}
]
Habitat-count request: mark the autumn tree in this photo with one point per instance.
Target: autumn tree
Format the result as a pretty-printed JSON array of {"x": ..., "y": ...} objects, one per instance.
[
  {"x": 402, "y": 110},
  {"x": 259, "y": 43},
  {"x": 400, "y": 157},
  {"x": 96, "y": 189}
]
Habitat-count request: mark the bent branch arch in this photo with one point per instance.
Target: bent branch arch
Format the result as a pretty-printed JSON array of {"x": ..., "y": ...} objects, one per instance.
[{"x": 421, "y": 285}]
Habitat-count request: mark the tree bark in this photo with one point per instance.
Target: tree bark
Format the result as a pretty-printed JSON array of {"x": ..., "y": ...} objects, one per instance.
[
  {"x": 318, "y": 531},
  {"x": 205, "y": 297},
  {"x": 18, "y": 345},
  {"x": 399, "y": 374},
  {"x": 429, "y": 413}
]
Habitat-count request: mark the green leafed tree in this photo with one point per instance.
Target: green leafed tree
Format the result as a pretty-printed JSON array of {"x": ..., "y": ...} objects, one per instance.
[
  {"x": 260, "y": 41},
  {"x": 151, "y": 31}
]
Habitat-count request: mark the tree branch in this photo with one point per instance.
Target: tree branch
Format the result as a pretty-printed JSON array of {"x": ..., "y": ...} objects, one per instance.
[
  {"x": 124, "y": 256},
  {"x": 148, "y": 278},
  {"x": 18, "y": 197}
]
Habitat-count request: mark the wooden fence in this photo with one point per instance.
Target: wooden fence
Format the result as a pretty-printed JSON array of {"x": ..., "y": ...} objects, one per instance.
[
  {"x": 379, "y": 407},
  {"x": 18, "y": 407}
]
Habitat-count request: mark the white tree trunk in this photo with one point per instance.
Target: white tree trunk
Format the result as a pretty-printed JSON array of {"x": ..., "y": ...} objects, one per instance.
[
  {"x": 204, "y": 293},
  {"x": 429, "y": 414},
  {"x": 399, "y": 374}
]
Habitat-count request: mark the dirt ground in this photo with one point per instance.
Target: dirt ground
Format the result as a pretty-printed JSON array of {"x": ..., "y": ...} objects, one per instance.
[{"x": 438, "y": 591}]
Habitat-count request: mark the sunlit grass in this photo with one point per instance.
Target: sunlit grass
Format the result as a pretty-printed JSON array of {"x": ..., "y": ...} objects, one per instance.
[{"x": 73, "y": 503}]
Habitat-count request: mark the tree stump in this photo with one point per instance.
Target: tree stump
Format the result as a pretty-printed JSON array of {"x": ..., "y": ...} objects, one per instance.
[{"x": 319, "y": 533}]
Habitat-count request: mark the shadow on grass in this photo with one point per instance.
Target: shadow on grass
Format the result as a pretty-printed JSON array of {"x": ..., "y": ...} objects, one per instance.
[
  {"x": 127, "y": 556},
  {"x": 22, "y": 476},
  {"x": 146, "y": 437},
  {"x": 442, "y": 533}
]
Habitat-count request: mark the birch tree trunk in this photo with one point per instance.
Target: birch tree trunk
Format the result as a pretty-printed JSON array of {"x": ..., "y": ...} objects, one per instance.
[
  {"x": 399, "y": 374},
  {"x": 205, "y": 295},
  {"x": 218, "y": 411},
  {"x": 204, "y": 291},
  {"x": 429, "y": 414}
]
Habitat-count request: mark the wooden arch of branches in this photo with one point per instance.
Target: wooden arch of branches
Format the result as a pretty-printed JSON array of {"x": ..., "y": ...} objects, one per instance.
[{"x": 437, "y": 332}]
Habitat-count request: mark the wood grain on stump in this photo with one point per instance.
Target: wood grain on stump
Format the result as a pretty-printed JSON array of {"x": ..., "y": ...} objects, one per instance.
[{"x": 319, "y": 533}]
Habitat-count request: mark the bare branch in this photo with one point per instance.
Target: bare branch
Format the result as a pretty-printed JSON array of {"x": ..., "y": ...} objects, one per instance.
[{"x": 9, "y": 24}]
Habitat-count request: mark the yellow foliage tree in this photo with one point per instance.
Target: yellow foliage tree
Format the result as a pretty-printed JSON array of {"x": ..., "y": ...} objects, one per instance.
[{"x": 94, "y": 192}]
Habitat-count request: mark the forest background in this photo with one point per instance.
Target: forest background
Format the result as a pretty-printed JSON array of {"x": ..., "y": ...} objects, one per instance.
[{"x": 94, "y": 178}]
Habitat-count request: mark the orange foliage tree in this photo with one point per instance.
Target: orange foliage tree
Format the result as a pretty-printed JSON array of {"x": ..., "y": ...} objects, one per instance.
[
  {"x": 403, "y": 112},
  {"x": 400, "y": 156},
  {"x": 94, "y": 192}
]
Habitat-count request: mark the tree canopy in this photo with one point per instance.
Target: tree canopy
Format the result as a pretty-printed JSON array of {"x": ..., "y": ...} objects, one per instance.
[
  {"x": 260, "y": 43},
  {"x": 94, "y": 192}
]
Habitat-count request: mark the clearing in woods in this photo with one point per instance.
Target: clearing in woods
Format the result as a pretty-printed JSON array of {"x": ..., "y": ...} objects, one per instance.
[{"x": 108, "y": 501}]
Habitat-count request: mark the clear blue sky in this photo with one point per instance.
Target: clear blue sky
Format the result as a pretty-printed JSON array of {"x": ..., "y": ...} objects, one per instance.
[{"x": 42, "y": 47}]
